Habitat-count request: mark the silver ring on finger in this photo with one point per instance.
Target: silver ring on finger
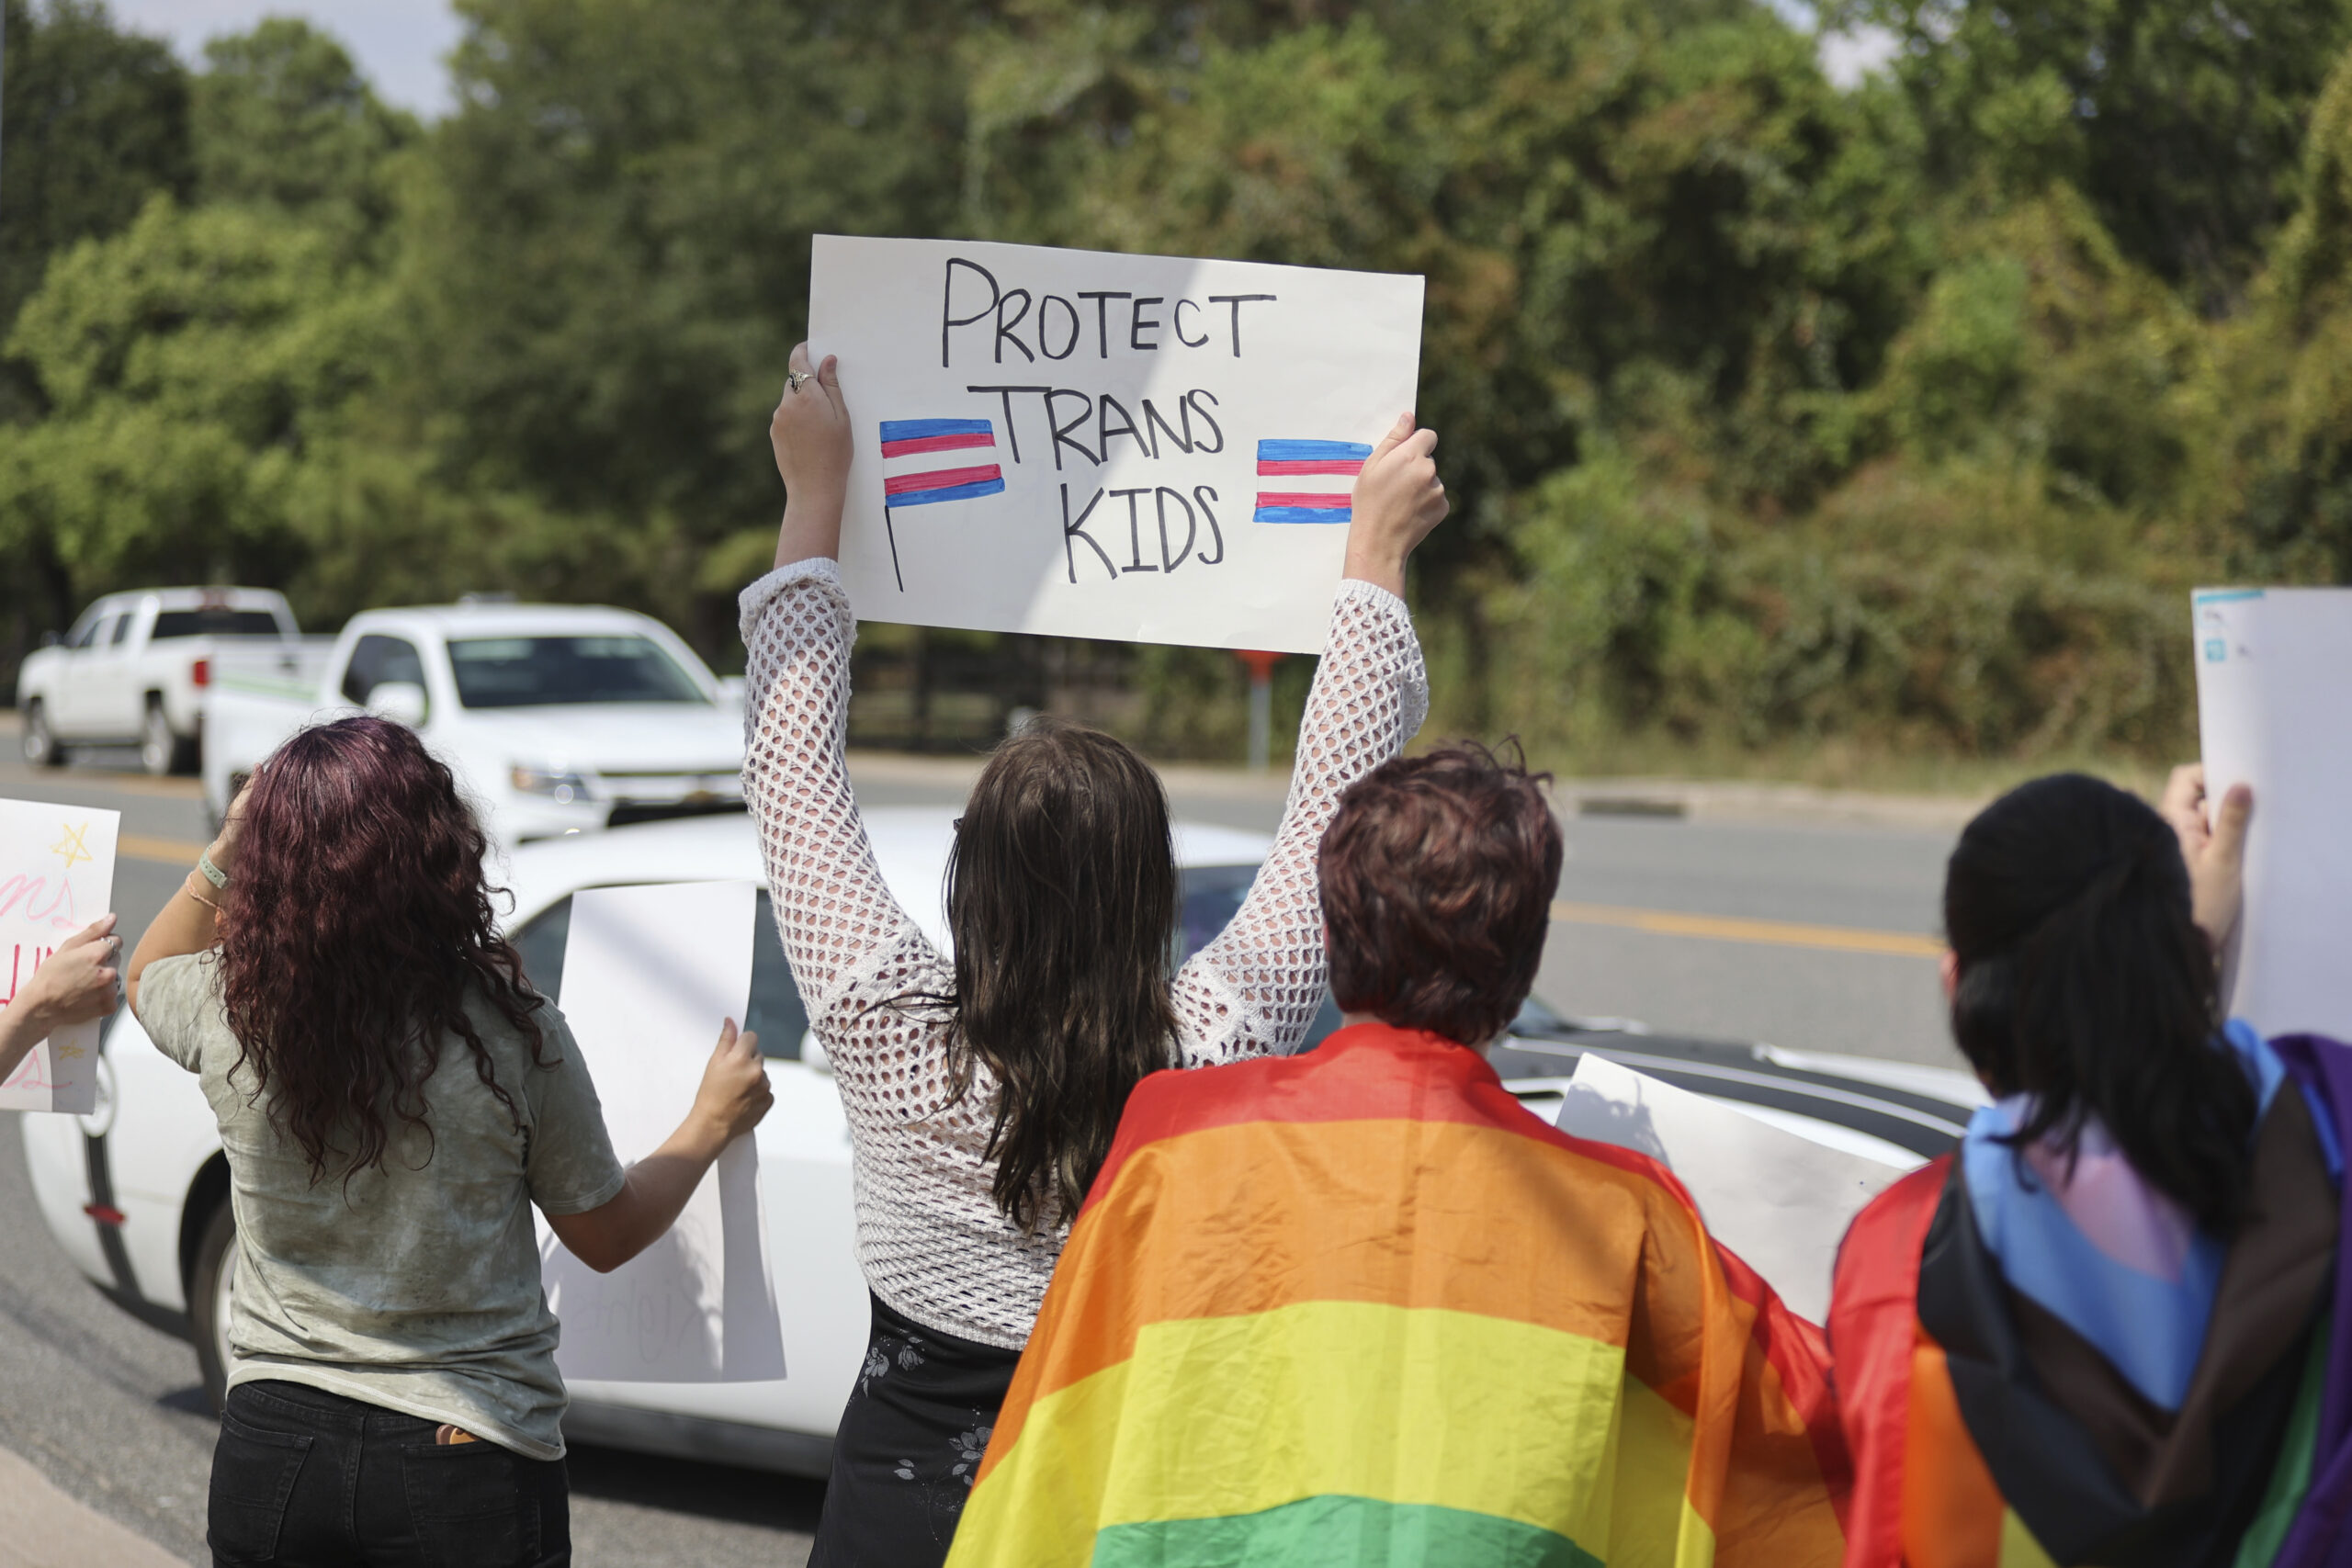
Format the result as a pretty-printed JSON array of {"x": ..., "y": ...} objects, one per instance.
[{"x": 796, "y": 379}]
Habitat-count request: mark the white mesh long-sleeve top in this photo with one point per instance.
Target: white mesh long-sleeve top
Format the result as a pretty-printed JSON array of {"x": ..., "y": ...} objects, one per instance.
[{"x": 930, "y": 1238}]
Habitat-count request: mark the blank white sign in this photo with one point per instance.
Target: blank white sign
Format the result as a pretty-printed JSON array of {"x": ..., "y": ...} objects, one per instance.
[
  {"x": 650, "y": 974},
  {"x": 2274, "y": 705}
]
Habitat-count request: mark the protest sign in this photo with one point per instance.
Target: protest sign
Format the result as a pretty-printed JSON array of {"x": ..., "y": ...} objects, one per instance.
[
  {"x": 1780, "y": 1201},
  {"x": 56, "y": 876},
  {"x": 1148, "y": 449},
  {"x": 650, "y": 974},
  {"x": 2274, "y": 710}
]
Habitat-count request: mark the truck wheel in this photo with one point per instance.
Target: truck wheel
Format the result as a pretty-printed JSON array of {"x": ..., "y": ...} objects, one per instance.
[
  {"x": 160, "y": 750},
  {"x": 208, "y": 1300},
  {"x": 41, "y": 749}
]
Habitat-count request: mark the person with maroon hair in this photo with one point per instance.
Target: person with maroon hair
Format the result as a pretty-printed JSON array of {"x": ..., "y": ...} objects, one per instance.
[
  {"x": 394, "y": 1096},
  {"x": 1437, "y": 879}
]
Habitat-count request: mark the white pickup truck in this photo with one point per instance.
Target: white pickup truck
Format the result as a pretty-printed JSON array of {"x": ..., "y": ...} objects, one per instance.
[
  {"x": 135, "y": 668},
  {"x": 556, "y": 719}
]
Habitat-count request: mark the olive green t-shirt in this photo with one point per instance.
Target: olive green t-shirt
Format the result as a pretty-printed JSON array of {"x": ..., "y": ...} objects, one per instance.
[{"x": 414, "y": 1285}]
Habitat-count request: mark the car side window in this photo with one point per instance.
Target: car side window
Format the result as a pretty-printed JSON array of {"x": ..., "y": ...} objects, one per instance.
[
  {"x": 95, "y": 632},
  {"x": 776, "y": 1014},
  {"x": 121, "y": 631},
  {"x": 376, "y": 660}
]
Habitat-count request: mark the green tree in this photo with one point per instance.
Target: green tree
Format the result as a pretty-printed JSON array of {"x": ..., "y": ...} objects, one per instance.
[
  {"x": 283, "y": 117},
  {"x": 2180, "y": 120},
  {"x": 190, "y": 365},
  {"x": 92, "y": 121},
  {"x": 615, "y": 261}
]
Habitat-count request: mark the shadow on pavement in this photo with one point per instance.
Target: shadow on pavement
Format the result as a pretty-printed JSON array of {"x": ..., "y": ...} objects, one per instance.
[
  {"x": 696, "y": 1486},
  {"x": 189, "y": 1401}
]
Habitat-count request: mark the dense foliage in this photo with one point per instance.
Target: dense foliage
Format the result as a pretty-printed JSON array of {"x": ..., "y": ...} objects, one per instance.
[{"x": 1903, "y": 415}]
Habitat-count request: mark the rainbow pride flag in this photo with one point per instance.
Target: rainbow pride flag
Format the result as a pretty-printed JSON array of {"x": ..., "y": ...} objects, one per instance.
[{"x": 1361, "y": 1307}]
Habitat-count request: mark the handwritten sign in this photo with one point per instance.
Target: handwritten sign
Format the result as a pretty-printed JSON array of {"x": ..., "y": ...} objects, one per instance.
[
  {"x": 1146, "y": 448},
  {"x": 2275, "y": 712},
  {"x": 649, "y": 974},
  {"x": 56, "y": 876}
]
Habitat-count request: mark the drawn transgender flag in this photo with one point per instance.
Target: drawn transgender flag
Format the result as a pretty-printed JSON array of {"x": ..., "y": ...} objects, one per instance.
[
  {"x": 937, "y": 477},
  {"x": 1317, "y": 478}
]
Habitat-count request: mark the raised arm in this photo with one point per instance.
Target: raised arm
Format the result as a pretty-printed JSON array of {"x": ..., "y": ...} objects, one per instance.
[
  {"x": 830, "y": 902},
  {"x": 1254, "y": 990}
]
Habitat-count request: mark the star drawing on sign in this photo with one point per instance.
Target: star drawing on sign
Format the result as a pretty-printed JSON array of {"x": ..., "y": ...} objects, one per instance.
[{"x": 69, "y": 844}]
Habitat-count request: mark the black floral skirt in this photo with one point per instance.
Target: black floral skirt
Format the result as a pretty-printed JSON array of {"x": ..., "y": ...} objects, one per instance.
[{"x": 909, "y": 1445}]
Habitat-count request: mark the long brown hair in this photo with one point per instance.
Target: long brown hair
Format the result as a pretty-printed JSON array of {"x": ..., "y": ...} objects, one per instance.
[
  {"x": 356, "y": 925},
  {"x": 1062, "y": 899}
]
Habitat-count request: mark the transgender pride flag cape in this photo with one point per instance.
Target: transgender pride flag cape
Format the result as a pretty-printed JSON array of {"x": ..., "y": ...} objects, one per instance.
[
  {"x": 1359, "y": 1307},
  {"x": 1990, "y": 1431}
]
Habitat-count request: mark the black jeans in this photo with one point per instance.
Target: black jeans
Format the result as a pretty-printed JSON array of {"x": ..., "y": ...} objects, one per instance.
[{"x": 308, "y": 1479}]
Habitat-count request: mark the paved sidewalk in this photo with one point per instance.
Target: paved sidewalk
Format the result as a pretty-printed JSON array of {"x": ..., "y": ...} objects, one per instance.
[{"x": 42, "y": 1528}]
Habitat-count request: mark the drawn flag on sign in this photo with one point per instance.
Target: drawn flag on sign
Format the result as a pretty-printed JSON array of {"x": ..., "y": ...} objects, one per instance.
[
  {"x": 924, "y": 461},
  {"x": 938, "y": 477},
  {"x": 1312, "y": 480}
]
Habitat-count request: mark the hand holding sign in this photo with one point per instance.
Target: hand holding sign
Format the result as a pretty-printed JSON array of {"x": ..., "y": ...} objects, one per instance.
[
  {"x": 2215, "y": 850},
  {"x": 76, "y": 984},
  {"x": 809, "y": 435},
  {"x": 1398, "y": 501}
]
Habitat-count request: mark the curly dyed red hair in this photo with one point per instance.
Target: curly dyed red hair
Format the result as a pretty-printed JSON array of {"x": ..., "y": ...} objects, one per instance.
[{"x": 356, "y": 925}]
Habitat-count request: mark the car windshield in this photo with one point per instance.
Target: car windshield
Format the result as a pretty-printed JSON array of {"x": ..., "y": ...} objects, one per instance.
[{"x": 537, "y": 672}]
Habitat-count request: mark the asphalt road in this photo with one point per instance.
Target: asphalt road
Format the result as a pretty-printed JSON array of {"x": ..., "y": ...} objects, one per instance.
[{"x": 1810, "y": 935}]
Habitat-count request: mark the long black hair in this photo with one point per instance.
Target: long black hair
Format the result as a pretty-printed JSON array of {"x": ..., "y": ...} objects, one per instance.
[
  {"x": 2083, "y": 982},
  {"x": 1062, "y": 899}
]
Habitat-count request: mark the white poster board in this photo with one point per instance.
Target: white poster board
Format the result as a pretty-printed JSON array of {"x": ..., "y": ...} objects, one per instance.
[
  {"x": 2274, "y": 710},
  {"x": 1148, "y": 449},
  {"x": 56, "y": 876},
  {"x": 650, "y": 972},
  {"x": 1779, "y": 1200}
]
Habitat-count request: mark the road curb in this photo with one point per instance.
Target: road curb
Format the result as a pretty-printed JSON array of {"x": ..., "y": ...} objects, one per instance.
[{"x": 1738, "y": 801}]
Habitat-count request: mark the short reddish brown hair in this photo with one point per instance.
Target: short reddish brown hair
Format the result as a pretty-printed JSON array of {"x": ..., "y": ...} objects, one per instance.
[{"x": 1437, "y": 875}]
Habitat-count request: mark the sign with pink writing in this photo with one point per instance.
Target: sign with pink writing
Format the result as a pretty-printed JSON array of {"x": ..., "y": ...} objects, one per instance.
[
  {"x": 1151, "y": 448},
  {"x": 56, "y": 876}
]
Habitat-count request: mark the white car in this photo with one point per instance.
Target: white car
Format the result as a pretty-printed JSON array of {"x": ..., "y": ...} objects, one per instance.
[
  {"x": 556, "y": 719},
  {"x": 137, "y": 1192},
  {"x": 135, "y": 668}
]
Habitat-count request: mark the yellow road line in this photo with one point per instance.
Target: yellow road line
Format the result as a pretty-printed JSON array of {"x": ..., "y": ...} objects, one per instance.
[
  {"x": 1727, "y": 928},
  {"x": 172, "y": 851}
]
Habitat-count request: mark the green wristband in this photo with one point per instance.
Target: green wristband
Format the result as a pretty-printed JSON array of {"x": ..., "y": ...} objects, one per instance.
[{"x": 212, "y": 873}]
